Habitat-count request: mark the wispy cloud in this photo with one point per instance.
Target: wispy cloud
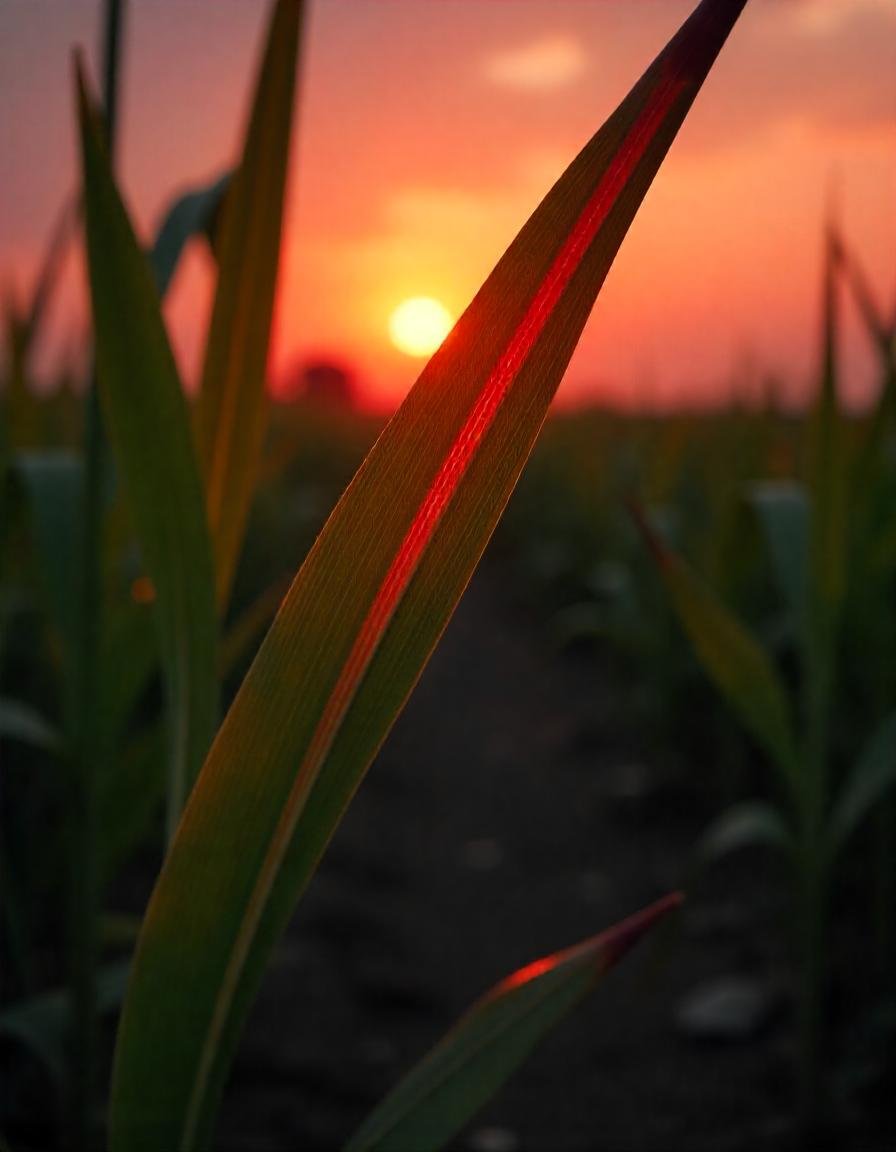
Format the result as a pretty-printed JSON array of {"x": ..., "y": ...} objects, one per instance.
[
  {"x": 827, "y": 17},
  {"x": 541, "y": 65}
]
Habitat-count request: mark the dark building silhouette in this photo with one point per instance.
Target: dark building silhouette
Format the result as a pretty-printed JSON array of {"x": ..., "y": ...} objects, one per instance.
[{"x": 322, "y": 381}]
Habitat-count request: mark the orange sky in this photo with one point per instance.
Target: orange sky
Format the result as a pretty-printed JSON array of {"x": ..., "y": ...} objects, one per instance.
[{"x": 428, "y": 131}]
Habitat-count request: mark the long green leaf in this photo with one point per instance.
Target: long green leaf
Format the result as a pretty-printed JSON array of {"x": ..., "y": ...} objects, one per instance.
[
  {"x": 867, "y": 783},
  {"x": 232, "y": 406},
  {"x": 365, "y": 612},
  {"x": 149, "y": 429},
  {"x": 492, "y": 1039},
  {"x": 730, "y": 656}
]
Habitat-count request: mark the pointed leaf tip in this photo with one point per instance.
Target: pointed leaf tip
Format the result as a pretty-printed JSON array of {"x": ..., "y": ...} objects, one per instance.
[
  {"x": 493, "y": 1038},
  {"x": 624, "y": 936},
  {"x": 365, "y": 612}
]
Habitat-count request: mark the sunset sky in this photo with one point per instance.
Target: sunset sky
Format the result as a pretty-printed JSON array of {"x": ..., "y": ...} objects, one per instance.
[{"x": 428, "y": 131}]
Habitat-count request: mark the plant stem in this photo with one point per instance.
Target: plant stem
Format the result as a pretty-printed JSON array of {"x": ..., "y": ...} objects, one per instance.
[
  {"x": 86, "y": 722},
  {"x": 813, "y": 889}
]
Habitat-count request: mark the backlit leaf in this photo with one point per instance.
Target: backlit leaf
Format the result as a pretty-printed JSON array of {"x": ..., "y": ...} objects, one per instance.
[
  {"x": 492, "y": 1039},
  {"x": 364, "y": 613}
]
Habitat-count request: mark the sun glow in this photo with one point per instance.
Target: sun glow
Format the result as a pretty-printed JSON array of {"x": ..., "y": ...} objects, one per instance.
[{"x": 419, "y": 325}]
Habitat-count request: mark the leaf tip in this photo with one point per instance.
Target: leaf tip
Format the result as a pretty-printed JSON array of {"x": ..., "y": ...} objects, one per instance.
[
  {"x": 624, "y": 936},
  {"x": 80, "y": 78}
]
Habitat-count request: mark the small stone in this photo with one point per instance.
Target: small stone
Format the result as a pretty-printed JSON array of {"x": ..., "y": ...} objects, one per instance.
[
  {"x": 731, "y": 1010},
  {"x": 493, "y": 1140}
]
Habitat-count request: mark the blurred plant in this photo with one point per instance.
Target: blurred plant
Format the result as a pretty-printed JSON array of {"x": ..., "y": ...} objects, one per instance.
[
  {"x": 816, "y": 556},
  {"x": 355, "y": 629}
]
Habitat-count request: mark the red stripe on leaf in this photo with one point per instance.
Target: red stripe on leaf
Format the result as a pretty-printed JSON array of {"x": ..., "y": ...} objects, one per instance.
[
  {"x": 604, "y": 950},
  {"x": 481, "y": 418}
]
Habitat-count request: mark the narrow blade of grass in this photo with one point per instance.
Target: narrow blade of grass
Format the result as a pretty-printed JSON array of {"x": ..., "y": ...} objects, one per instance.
[
  {"x": 149, "y": 429},
  {"x": 232, "y": 406},
  {"x": 729, "y": 654},
  {"x": 492, "y": 1039},
  {"x": 365, "y": 612},
  {"x": 193, "y": 213}
]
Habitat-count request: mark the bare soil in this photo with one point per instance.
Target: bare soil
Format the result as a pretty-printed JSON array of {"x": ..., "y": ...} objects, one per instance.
[{"x": 514, "y": 811}]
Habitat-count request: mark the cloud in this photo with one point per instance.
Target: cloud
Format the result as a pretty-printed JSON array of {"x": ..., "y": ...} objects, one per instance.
[
  {"x": 542, "y": 65},
  {"x": 828, "y": 17}
]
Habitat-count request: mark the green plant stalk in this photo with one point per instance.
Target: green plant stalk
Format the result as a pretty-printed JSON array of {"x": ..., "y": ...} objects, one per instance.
[
  {"x": 86, "y": 725},
  {"x": 812, "y": 887},
  {"x": 819, "y": 643},
  {"x": 885, "y": 819}
]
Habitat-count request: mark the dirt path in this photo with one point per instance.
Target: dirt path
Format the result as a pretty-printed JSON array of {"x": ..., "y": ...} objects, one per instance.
[{"x": 509, "y": 814}]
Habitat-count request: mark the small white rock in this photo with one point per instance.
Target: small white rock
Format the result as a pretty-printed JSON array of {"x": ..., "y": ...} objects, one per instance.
[{"x": 493, "y": 1140}]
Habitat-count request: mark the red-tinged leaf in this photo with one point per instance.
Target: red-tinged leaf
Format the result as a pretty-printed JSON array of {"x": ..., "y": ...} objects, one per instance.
[
  {"x": 365, "y": 612},
  {"x": 493, "y": 1038}
]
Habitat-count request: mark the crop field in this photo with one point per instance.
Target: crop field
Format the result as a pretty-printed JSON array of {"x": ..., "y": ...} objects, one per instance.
[{"x": 477, "y": 771}]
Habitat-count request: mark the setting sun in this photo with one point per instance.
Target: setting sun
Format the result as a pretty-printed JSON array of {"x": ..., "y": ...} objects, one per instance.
[{"x": 419, "y": 325}]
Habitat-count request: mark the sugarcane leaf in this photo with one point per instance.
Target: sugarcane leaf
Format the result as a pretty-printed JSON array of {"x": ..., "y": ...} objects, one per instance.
[
  {"x": 488, "y": 1043},
  {"x": 193, "y": 213},
  {"x": 146, "y": 415},
  {"x": 872, "y": 775},
  {"x": 730, "y": 656},
  {"x": 364, "y": 614},
  {"x": 232, "y": 407}
]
